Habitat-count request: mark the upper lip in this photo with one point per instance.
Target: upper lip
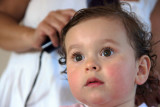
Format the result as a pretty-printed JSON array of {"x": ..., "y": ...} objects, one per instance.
[{"x": 92, "y": 80}]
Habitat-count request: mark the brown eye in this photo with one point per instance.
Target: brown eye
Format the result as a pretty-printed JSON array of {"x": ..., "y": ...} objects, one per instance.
[
  {"x": 78, "y": 57},
  {"x": 107, "y": 52}
]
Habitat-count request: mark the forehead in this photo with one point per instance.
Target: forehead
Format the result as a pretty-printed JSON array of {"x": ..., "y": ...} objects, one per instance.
[
  {"x": 97, "y": 31},
  {"x": 101, "y": 26}
]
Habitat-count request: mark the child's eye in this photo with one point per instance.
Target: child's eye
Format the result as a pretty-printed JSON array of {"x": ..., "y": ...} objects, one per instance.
[
  {"x": 77, "y": 57},
  {"x": 107, "y": 52}
]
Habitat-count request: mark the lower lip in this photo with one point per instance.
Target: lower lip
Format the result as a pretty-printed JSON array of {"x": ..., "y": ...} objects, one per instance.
[{"x": 96, "y": 84}]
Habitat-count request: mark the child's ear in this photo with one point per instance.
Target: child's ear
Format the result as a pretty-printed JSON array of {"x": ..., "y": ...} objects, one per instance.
[{"x": 144, "y": 65}]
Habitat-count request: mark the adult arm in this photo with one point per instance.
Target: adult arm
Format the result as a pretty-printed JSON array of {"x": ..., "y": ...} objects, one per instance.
[
  {"x": 154, "y": 98},
  {"x": 20, "y": 38},
  {"x": 12, "y": 35},
  {"x": 155, "y": 25},
  {"x": 155, "y": 22}
]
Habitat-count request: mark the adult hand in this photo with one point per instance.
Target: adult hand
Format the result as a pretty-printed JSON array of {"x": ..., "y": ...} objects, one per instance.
[{"x": 53, "y": 23}]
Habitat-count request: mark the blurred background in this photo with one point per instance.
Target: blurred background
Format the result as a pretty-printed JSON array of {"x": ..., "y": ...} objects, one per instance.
[{"x": 4, "y": 57}]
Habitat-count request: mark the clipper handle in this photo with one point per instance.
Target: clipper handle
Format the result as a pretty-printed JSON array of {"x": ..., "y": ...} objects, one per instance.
[{"x": 48, "y": 46}]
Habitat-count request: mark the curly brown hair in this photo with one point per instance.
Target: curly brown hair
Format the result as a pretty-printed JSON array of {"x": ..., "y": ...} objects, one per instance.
[{"x": 138, "y": 36}]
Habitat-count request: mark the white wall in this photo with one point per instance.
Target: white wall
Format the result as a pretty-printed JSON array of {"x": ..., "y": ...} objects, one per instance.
[{"x": 4, "y": 57}]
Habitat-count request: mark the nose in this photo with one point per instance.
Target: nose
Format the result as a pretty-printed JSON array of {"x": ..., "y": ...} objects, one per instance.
[{"x": 92, "y": 66}]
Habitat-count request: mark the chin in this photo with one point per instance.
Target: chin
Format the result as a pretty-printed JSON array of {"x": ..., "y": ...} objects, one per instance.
[{"x": 95, "y": 101}]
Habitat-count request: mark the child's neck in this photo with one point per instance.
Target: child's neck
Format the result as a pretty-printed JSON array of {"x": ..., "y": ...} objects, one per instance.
[{"x": 125, "y": 104}]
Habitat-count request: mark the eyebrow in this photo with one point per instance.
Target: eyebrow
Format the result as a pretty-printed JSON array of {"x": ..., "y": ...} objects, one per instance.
[
  {"x": 110, "y": 41},
  {"x": 73, "y": 46},
  {"x": 101, "y": 41}
]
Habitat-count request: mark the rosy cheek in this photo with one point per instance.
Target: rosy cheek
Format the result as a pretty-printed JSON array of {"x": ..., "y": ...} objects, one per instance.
[
  {"x": 71, "y": 75},
  {"x": 119, "y": 75},
  {"x": 73, "y": 79},
  {"x": 115, "y": 73}
]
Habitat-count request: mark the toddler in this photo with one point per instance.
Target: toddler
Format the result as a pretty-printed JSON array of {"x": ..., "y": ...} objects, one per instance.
[{"x": 108, "y": 55}]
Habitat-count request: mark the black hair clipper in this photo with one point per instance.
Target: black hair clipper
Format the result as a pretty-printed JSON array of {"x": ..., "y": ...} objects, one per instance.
[{"x": 48, "y": 46}]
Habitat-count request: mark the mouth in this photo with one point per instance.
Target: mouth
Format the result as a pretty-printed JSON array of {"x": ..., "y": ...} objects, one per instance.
[{"x": 93, "y": 82}]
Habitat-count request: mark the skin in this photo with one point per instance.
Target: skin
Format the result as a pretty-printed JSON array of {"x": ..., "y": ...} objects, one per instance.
[
  {"x": 119, "y": 72},
  {"x": 25, "y": 38}
]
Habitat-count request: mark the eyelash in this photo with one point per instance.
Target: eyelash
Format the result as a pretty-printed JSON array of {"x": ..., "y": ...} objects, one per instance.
[
  {"x": 107, "y": 48},
  {"x": 75, "y": 54}
]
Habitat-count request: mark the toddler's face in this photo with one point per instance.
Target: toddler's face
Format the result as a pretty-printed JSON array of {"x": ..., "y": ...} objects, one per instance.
[{"x": 101, "y": 64}]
